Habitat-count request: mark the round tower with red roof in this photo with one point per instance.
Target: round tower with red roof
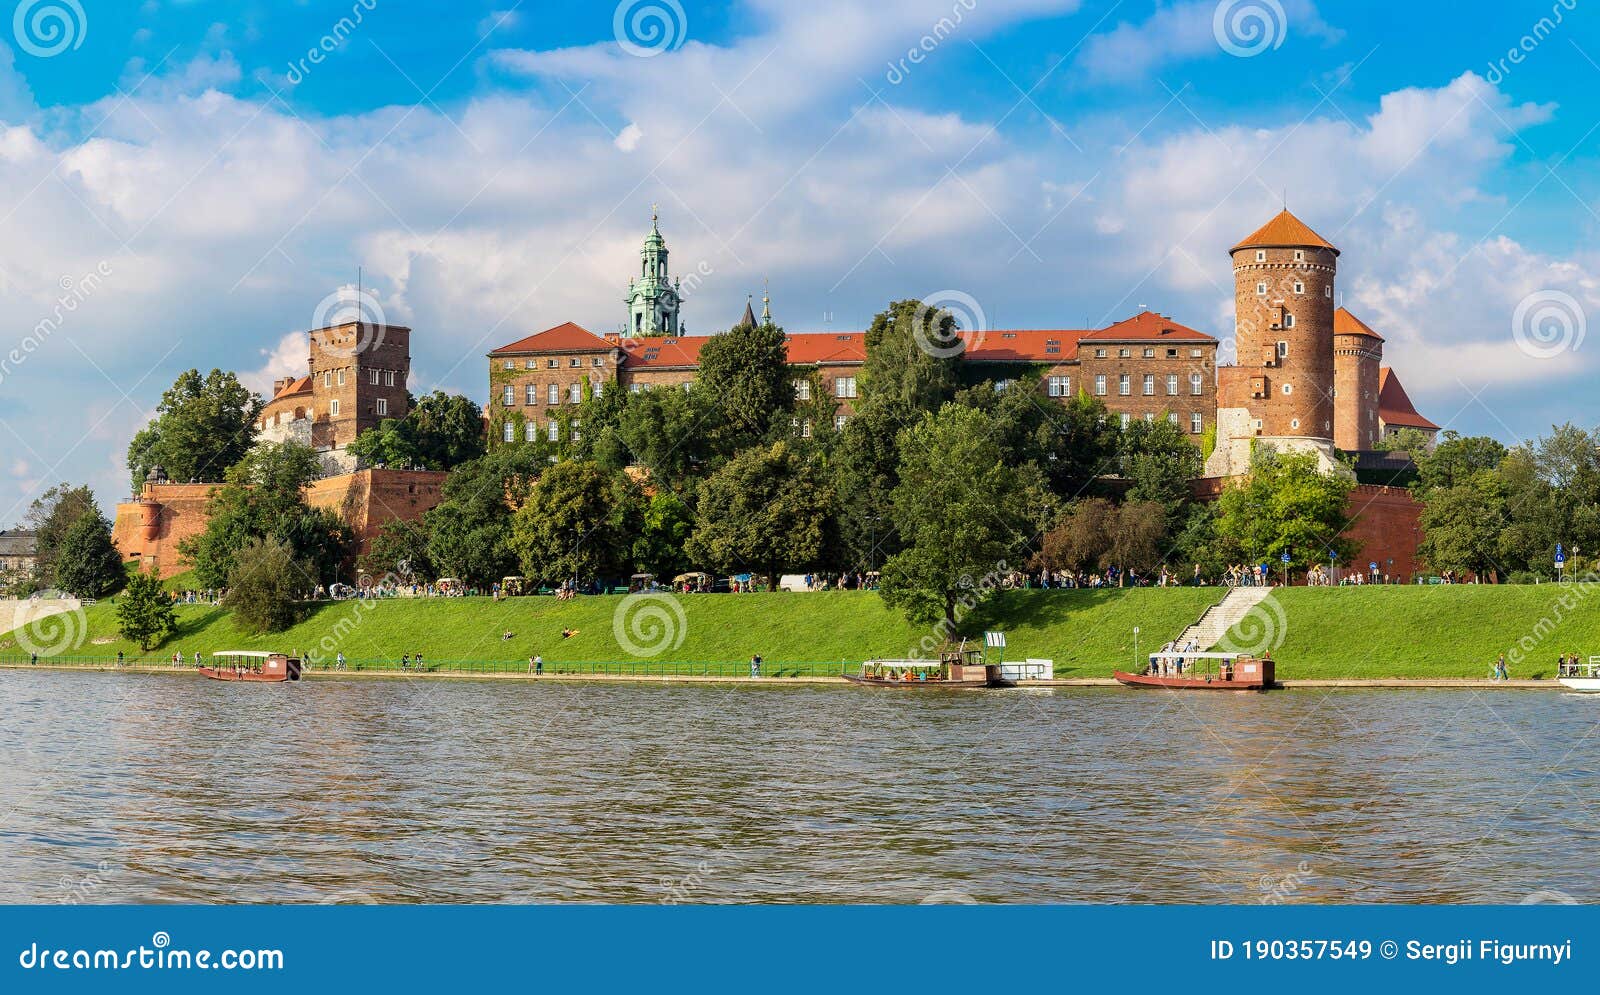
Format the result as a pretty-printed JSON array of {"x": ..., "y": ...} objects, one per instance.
[{"x": 1357, "y": 358}]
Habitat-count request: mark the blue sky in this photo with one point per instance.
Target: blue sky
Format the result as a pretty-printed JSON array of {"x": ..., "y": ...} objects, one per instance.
[{"x": 491, "y": 166}]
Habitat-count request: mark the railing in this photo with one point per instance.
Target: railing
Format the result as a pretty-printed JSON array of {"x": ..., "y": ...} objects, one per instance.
[{"x": 552, "y": 668}]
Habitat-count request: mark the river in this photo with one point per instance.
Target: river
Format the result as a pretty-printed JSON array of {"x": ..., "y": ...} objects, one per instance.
[{"x": 170, "y": 788}]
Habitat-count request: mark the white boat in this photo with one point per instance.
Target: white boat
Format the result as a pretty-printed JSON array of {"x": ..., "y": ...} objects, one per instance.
[{"x": 1582, "y": 676}]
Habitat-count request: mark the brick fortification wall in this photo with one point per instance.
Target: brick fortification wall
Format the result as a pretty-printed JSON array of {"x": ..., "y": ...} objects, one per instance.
[
  {"x": 149, "y": 529},
  {"x": 1387, "y": 525}
]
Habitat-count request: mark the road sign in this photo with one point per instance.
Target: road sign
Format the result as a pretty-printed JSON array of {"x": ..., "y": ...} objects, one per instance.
[
  {"x": 1284, "y": 557},
  {"x": 1373, "y": 566}
]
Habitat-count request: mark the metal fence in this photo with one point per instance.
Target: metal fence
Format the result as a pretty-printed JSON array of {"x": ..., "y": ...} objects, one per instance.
[{"x": 552, "y": 668}]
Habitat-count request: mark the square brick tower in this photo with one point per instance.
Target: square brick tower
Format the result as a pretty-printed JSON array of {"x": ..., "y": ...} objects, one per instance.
[{"x": 358, "y": 378}]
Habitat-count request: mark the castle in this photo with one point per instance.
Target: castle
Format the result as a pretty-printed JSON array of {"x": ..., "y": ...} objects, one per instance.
[{"x": 1308, "y": 377}]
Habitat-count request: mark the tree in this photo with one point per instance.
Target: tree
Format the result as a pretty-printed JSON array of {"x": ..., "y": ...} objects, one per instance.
[
  {"x": 665, "y": 526},
  {"x": 1462, "y": 526},
  {"x": 87, "y": 562},
  {"x": 767, "y": 509},
  {"x": 1286, "y": 505},
  {"x": 745, "y": 374},
  {"x": 1159, "y": 462},
  {"x": 664, "y": 430},
  {"x": 1407, "y": 440},
  {"x": 265, "y": 584},
  {"x": 440, "y": 431},
  {"x": 264, "y": 494},
  {"x": 963, "y": 510},
  {"x": 204, "y": 425},
  {"x": 470, "y": 529},
  {"x": 578, "y": 523},
  {"x": 1071, "y": 440},
  {"x": 399, "y": 549},
  {"x": 1457, "y": 459},
  {"x": 1095, "y": 533},
  {"x": 913, "y": 358},
  {"x": 144, "y": 611},
  {"x": 52, "y": 515}
]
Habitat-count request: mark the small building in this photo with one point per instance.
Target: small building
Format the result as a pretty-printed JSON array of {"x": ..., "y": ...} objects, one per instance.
[{"x": 19, "y": 552}]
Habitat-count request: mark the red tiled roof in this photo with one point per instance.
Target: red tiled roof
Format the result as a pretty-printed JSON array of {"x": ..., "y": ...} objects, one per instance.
[
  {"x": 1148, "y": 325},
  {"x": 565, "y": 337},
  {"x": 1395, "y": 407},
  {"x": 1283, "y": 231},
  {"x": 1345, "y": 323},
  {"x": 293, "y": 387}
]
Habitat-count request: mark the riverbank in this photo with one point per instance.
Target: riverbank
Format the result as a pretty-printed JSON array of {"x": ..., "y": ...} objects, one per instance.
[
  {"x": 1438, "y": 633},
  {"x": 765, "y": 681}
]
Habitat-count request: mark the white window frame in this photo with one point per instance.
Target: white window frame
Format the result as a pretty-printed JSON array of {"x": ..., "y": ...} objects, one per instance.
[
  {"x": 1125, "y": 385},
  {"x": 553, "y": 431},
  {"x": 530, "y": 393},
  {"x": 1149, "y": 386},
  {"x": 372, "y": 377},
  {"x": 1197, "y": 384},
  {"x": 1261, "y": 255},
  {"x": 844, "y": 388},
  {"x": 552, "y": 394},
  {"x": 508, "y": 395},
  {"x": 1172, "y": 385},
  {"x": 530, "y": 431},
  {"x": 1197, "y": 423},
  {"x": 1060, "y": 386},
  {"x": 575, "y": 393},
  {"x": 508, "y": 432},
  {"x": 334, "y": 410},
  {"x": 1099, "y": 385},
  {"x": 380, "y": 406},
  {"x": 802, "y": 389}
]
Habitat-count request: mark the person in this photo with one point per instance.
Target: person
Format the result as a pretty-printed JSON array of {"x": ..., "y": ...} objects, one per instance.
[
  {"x": 418, "y": 661},
  {"x": 568, "y": 633},
  {"x": 1500, "y": 671},
  {"x": 33, "y": 659},
  {"x": 538, "y": 664},
  {"x": 405, "y": 661},
  {"x": 119, "y": 658},
  {"x": 197, "y": 658},
  {"x": 339, "y": 660},
  {"x": 755, "y": 665}
]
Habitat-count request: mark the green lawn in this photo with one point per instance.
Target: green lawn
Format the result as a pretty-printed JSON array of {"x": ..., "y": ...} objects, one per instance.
[
  {"x": 1438, "y": 631},
  {"x": 1086, "y": 633}
]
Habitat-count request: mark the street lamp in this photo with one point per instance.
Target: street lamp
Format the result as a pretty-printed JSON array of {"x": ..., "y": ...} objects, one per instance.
[{"x": 1136, "y": 646}]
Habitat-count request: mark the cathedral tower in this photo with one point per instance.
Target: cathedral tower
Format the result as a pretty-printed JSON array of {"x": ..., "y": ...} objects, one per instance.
[{"x": 653, "y": 296}]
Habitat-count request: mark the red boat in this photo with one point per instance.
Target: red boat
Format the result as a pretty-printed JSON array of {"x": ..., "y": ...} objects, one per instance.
[
  {"x": 1179, "y": 671},
  {"x": 253, "y": 665}
]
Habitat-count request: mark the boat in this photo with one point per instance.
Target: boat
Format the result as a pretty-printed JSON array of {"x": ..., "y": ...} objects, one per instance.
[
  {"x": 1583, "y": 677},
  {"x": 255, "y": 666},
  {"x": 1233, "y": 672},
  {"x": 960, "y": 668}
]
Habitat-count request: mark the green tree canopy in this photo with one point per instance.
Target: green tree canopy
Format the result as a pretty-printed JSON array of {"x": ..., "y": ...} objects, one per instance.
[
  {"x": 440, "y": 431},
  {"x": 469, "y": 531},
  {"x": 745, "y": 375},
  {"x": 1286, "y": 505},
  {"x": 87, "y": 563},
  {"x": 144, "y": 611},
  {"x": 665, "y": 431},
  {"x": 578, "y": 524},
  {"x": 964, "y": 512},
  {"x": 765, "y": 511},
  {"x": 203, "y": 426},
  {"x": 52, "y": 515},
  {"x": 265, "y": 584}
]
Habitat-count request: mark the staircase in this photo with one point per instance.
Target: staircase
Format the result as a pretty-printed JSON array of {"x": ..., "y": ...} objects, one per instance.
[{"x": 1224, "y": 615}]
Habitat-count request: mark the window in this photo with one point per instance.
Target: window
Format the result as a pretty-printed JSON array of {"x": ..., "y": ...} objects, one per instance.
[
  {"x": 1124, "y": 353},
  {"x": 509, "y": 433},
  {"x": 1294, "y": 423},
  {"x": 509, "y": 364},
  {"x": 508, "y": 397},
  {"x": 1123, "y": 419},
  {"x": 381, "y": 406},
  {"x": 1172, "y": 417},
  {"x": 1283, "y": 350},
  {"x": 1288, "y": 389},
  {"x": 1288, "y": 320},
  {"x": 635, "y": 388},
  {"x": 1328, "y": 290},
  {"x": 839, "y": 422},
  {"x": 574, "y": 434},
  {"x": 1100, "y": 384},
  {"x": 1261, "y": 255},
  {"x": 551, "y": 364},
  {"x": 530, "y": 365},
  {"x": 530, "y": 394},
  {"x": 335, "y": 408},
  {"x": 1099, "y": 354},
  {"x": 800, "y": 428},
  {"x": 1149, "y": 353},
  {"x": 1196, "y": 384},
  {"x": 552, "y": 394},
  {"x": 1149, "y": 417},
  {"x": 575, "y": 362},
  {"x": 327, "y": 378},
  {"x": 1196, "y": 423},
  {"x": 341, "y": 378},
  {"x": 372, "y": 377},
  {"x": 599, "y": 388},
  {"x": 597, "y": 362},
  {"x": 1299, "y": 255},
  {"x": 553, "y": 433},
  {"x": 1060, "y": 386},
  {"x": 1261, "y": 289},
  {"x": 802, "y": 390},
  {"x": 1125, "y": 384},
  {"x": 844, "y": 387},
  {"x": 1299, "y": 287},
  {"x": 388, "y": 378},
  {"x": 1172, "y": 385},
  {"x": 575, "y": 393},
  {"x": 1195, "y": 353},
  {"x": 1149, "y": 384},
  {"x": 530, "y": 431}
]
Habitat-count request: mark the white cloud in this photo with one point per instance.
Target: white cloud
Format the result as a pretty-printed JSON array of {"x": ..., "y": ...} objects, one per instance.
[
  {"x": 628, "y": 138},
  {"x": 1180, "y": 32}
]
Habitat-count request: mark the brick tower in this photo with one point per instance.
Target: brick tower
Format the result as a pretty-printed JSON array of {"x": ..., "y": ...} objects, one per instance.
[
  {"x": 358, "y": 378},
  {"x": 1280, "y": 392},
  {"x": 1357, "y": 358}
]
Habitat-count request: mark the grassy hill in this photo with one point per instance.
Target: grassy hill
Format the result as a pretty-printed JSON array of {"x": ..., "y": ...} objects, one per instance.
[
  {"x": 1439, "y": 631},
  {"x": 1085, "y": 632}
]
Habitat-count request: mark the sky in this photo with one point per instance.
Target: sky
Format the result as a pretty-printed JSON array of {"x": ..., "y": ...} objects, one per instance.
[{"x": 194, "y": 183}]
